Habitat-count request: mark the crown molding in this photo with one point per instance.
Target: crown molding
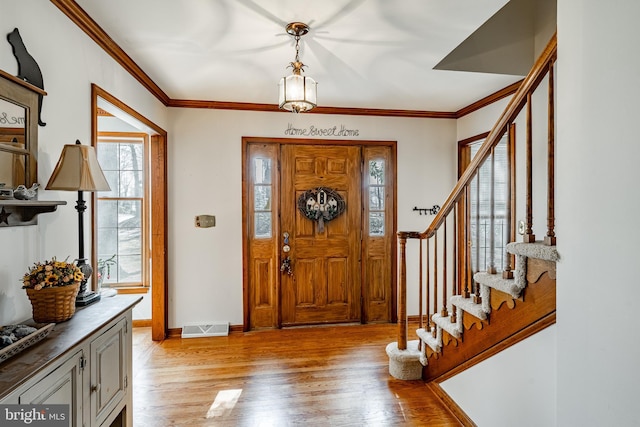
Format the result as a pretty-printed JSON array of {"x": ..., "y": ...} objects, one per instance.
[{"x": 490, "y": 99}]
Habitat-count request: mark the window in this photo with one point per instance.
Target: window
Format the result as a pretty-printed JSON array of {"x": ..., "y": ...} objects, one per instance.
[
  {"x": 481, "y": 218},
  {"x": 376, "y": 197},
  {"x": 262, "y": 203},
  {"x": 121, "y": 212}
]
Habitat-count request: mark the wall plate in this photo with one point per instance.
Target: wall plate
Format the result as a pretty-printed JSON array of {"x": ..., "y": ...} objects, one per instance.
[{"x": 205, "y": 221}]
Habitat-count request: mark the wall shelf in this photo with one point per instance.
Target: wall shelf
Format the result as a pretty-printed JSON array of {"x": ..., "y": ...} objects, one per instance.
[{"x": 24, "y": 212}]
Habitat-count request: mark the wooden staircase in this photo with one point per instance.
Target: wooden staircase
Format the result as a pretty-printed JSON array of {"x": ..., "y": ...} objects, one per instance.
[
  {"x": 507, "y": 314},
  {"x": 467, "y": 313}
]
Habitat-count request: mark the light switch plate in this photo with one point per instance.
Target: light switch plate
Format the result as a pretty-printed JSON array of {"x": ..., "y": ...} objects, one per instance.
[{"x": 205, "y": 221}]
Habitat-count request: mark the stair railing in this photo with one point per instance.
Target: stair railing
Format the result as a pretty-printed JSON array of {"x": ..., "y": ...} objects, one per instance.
[{"x": 453, "y": 236}]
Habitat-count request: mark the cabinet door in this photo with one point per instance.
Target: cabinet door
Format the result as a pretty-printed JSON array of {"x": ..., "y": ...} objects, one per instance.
[
  {"x": 62, "y": 386},
  {"x": 108, "y": 372}
]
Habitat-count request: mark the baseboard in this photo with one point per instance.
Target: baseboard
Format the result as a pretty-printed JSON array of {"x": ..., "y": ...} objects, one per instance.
[
  {"x": 141, "y": 323},
  {"x": 451, "y": 404}
]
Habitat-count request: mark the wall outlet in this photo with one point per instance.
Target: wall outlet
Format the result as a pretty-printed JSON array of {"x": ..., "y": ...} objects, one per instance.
[{"x": 205, "y": 221}]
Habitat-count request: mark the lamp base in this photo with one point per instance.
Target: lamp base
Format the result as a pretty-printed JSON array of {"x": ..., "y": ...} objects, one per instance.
[{"x": 87, "y": 298}]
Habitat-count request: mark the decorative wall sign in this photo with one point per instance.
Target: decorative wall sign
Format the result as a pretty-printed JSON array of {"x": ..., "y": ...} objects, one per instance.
[
  {"x": 321, "y": 204},
  {"x": 341, "y": 131}
]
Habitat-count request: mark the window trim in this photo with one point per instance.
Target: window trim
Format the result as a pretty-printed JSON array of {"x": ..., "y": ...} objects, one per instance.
[{"x": 144, "y": 284}]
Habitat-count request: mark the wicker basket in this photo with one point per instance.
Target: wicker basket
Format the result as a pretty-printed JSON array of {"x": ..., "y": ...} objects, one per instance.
[{"x": 53, "y": 304}]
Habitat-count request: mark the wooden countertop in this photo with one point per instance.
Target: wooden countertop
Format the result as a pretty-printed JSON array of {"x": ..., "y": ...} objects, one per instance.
[{"x": 61, "y": 340}]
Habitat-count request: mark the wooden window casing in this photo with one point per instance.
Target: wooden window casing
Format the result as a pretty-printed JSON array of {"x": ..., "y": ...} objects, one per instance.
[{"x": 125, "y": 286}]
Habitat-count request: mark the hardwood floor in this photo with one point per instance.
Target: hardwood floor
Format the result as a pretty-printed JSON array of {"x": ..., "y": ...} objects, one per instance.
[{"x": 321, "y": 376}]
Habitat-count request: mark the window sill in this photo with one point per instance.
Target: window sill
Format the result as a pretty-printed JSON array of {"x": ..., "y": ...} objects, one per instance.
[{"x": 134, "y": 290}]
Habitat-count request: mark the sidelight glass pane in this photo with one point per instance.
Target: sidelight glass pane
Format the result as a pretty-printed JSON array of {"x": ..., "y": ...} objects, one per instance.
[
  {"x": 376, "y": 223},
  {"x": 376, "y": 198},
  {"x": 262, "y": 171},
  {"x": 262, "y": 198},
  {"x": 376, "y": 172},
  {"x": 262, "y": 225}
]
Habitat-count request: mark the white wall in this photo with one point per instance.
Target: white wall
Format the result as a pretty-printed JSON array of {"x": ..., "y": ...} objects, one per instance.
[
  {"x": 205, "y": 270},
  {"x": 70, "y": 62},
  {"x": 597, "y": 209},
  {"x": 516, "y": 387}
]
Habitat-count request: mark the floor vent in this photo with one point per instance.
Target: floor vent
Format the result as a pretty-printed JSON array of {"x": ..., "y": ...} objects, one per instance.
[{"x": 200, "y": 330}]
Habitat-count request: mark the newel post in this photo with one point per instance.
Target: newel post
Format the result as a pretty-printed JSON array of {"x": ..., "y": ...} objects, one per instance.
[{"x": 402, "y": 292}]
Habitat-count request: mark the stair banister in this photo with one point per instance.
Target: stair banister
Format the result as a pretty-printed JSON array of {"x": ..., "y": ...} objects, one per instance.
[
  {"x": 460, "y": 192},
  {"x": 514, "y": 107}
]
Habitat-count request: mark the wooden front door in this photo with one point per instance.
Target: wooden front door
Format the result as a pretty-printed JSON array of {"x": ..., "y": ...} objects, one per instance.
[
  {"x": 344, "y": 272},
  {"x": 325, "y": 286}
]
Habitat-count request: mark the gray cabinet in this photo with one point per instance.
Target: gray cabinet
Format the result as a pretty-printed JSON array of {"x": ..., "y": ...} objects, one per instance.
[
  {"x": 61, "y": 386},
  {"x": 91, "y": 374}
]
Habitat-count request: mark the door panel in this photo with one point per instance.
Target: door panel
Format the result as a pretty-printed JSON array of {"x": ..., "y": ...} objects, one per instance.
[
  {"x": 325, "y": 286},
  {"x": 263, "y": 271},
  {"x": 378, "y": 234}
]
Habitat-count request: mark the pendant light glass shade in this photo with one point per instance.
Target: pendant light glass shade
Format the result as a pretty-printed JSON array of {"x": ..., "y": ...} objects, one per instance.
[{"x": 297, "y": 93}]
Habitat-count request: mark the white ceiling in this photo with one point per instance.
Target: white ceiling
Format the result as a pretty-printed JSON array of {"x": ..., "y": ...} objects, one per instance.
[{"x": 362, "y": 53}]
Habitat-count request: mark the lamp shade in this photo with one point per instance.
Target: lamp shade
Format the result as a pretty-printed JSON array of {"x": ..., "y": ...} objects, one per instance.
[{"x": 78, "y": 170}]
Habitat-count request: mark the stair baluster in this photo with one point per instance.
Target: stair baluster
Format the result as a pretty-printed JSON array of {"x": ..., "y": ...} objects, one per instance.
[
  {"x": 529, "y": 237},
  {"x": 444, "y": 312},
  {"x": 491, "y": 268},
  {"x": 550, "y": 238},
  {"x": 435, "y": 279},
  {"x": 511, "y": 198}
]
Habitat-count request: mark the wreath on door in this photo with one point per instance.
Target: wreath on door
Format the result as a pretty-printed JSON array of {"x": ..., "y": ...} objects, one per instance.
[{"x": 321, "y": 204}]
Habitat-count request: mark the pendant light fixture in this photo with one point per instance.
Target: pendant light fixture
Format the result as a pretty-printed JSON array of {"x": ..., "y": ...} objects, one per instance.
[{"x": 297, "y": 93}]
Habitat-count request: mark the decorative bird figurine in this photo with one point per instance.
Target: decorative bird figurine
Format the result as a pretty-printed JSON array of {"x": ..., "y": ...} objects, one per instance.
[{"x": 23, "y": 193}]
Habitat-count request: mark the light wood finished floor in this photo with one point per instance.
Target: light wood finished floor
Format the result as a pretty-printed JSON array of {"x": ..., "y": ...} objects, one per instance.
[{"x": 321, "y": 376}]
